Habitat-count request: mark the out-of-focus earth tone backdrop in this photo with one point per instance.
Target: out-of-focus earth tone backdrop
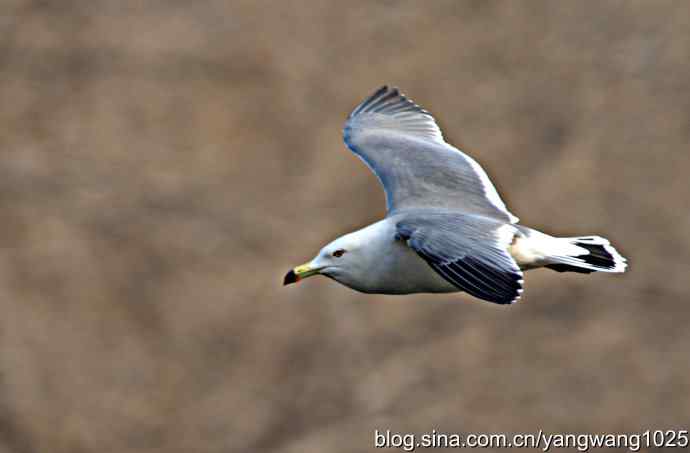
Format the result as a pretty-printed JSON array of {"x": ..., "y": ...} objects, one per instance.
[{"x": 164, "y": 163}]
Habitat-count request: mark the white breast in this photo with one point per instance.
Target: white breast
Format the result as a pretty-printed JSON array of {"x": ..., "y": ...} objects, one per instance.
[{"x": 389, "y": 266}]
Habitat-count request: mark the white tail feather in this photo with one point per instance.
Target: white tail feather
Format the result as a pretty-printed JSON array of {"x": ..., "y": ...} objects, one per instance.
[
  {"x": 577, "y": 254},
  {"x": 593, "y": 253}
]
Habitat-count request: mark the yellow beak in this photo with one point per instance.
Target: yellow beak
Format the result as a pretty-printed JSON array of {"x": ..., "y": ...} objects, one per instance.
[{"x": 299, "y": 273}]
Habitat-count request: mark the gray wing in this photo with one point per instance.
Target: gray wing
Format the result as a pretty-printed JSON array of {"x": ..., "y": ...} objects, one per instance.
[
  {"x": 404, "y": 147},
  {"x": 468, "y": 251}
]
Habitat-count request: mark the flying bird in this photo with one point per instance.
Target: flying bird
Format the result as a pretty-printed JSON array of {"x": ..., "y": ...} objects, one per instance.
[{"x": 446, "y": 228}]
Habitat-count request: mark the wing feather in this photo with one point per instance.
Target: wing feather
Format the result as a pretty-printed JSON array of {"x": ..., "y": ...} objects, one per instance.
[
  {"x": 468, "y": 251},
  {"x": 404, "y": 147}
]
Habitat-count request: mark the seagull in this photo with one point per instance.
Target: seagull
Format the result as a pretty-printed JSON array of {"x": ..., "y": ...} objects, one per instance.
[{"x": 446, "y": 228}]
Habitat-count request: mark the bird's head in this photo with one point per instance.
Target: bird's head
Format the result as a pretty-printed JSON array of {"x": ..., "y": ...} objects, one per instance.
[{"x": 341, "y": 260}]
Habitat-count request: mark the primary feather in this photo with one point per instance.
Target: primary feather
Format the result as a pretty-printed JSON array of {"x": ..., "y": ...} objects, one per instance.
[{"x": 404, "y": 147}]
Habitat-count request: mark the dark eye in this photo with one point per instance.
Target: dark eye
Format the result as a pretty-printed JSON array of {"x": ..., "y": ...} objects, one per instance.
[{"x": 338, "y": 253}]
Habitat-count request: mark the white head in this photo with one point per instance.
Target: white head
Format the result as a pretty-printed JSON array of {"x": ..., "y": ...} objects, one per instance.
[{"x": 347, "y": 260}]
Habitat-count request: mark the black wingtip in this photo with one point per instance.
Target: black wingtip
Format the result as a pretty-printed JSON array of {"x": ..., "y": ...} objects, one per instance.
[
  {"x": 390, "y": 100},
  {"x": 373, "y": 98}
]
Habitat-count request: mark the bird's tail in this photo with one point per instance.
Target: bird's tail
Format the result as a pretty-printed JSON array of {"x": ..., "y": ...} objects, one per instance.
[{"x": 585, "y": 254}]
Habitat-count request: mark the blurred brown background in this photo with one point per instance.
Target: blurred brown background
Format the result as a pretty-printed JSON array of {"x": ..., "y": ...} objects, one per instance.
[{"x": 164, "y": 163}]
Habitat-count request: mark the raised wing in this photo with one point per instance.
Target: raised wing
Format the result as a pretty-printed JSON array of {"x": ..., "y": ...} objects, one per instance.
[
  {"x": 404, "y": 147},
  {"x": 468, "y": 251}
]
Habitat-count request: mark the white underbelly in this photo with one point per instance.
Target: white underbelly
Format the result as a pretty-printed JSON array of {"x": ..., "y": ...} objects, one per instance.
[
  {"x": 526, "y": 252},
  {"x": 408, "y": 273},
  {"x": 537, "y": 249}
]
